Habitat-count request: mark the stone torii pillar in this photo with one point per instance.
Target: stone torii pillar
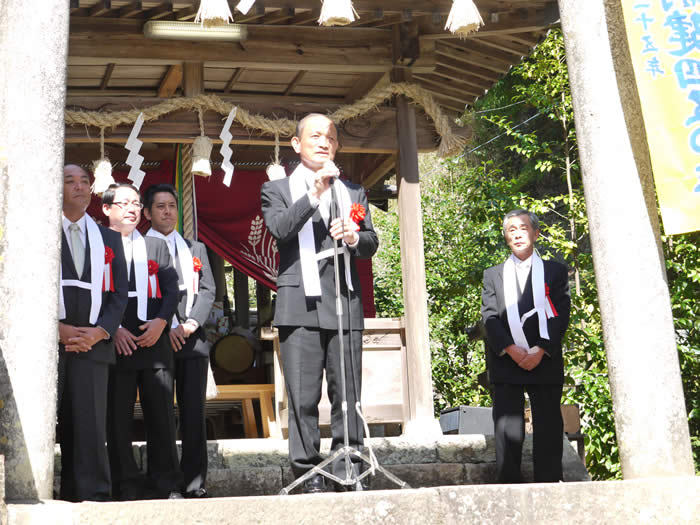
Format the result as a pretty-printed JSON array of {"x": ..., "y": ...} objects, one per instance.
[
  {"x": 650, "y": 416},
  {"x": 33, "y": 51}
]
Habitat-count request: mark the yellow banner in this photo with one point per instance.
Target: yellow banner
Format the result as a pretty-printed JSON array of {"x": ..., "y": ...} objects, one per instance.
[{"x": 665, "y": 48}]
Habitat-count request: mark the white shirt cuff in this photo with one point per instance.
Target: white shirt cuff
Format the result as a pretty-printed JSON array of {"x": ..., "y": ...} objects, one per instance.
[{"x": 315, "y": 201}]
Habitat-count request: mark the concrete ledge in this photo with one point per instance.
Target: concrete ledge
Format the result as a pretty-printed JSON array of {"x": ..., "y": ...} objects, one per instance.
[
  {"x": 660, "y": 500},
  {"x": 260, "y": 467}
]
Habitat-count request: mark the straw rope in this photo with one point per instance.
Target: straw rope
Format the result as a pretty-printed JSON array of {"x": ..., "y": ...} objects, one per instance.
[
  {"x": 450, "y": 143},
  {"x": 187, "y": 206}
]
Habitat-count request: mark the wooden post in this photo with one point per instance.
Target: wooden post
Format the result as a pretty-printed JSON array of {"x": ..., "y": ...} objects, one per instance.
[
  {"x": 420, "y": 388},
  {"x": 241, "y": 298},
  {"x": 193, "y": 85}
]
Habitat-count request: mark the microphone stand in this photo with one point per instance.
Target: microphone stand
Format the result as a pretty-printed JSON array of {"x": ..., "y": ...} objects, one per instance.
[{"x": 352, "y": 478}]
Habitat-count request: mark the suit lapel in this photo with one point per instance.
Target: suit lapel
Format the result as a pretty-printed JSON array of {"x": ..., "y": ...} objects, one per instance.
[{"x": 67, "y": 259}]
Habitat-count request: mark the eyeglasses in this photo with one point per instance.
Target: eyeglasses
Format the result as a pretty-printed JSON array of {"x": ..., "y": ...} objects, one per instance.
[{"x": 125, "y": 204}]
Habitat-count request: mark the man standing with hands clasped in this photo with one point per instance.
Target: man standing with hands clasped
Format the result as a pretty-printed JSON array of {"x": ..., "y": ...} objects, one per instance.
[
  {"x": 525, "y": 309},
  {"x": 92, "y": 298},
  {"x": 297, "y": 212},
  {"x": 144, "y": 357},
  {"x": 187, "y": 336}
]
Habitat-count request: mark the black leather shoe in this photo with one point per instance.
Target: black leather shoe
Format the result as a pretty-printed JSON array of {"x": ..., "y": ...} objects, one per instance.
[
  {"x": 175, "y": 495},
  {"x": 314, "y": 485},
  {"x": 197, "y": 493}
]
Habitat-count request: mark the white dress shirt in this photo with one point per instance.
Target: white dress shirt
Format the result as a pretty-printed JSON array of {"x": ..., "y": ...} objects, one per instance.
[
  {"x": 83, "y": 231},
  {"x": 522, "y": 270}
]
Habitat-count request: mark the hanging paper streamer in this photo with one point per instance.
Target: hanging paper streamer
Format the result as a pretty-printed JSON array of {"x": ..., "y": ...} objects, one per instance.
[
  {"x": 245, "y": 5},
  {"x": 201, "y": 151},
  {"x": 337, "y": 13},
  {"x": 464, "y": 18},
  {"x": 102, "y": 169},
  {"x": 226, "y": 151},
  {"x": 276, "y": 171},
  {"x": 134, "y": 160},
  {"x": 213, "y": 13}
]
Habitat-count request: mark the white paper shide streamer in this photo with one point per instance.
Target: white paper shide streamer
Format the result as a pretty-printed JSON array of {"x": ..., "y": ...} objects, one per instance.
[
  {"x": 134, "y": 160},
  {"x": 213, "y": 13},
  {"x": 337, "y": 13},
  {"x": 226, "y": 151},
  {"x": 244, "y": 6},
  {"x": 464, "y": 18}
]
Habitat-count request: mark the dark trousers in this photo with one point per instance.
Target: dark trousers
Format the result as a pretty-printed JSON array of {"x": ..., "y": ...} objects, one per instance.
[
  {"x": 81, "y": 424},
  {"x": 547, "y": 428},
  {"x": 155, "y": 387},
  {"x": 305, "y": 354},
  {"x": 191, "y": 388}
]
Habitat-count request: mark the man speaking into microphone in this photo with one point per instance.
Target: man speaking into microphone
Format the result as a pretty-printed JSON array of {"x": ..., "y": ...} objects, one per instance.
[{"x": 306, "y": 212}]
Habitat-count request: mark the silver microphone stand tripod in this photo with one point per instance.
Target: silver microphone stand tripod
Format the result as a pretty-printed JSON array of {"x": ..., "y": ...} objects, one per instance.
[{"x": 352, "y": 478}]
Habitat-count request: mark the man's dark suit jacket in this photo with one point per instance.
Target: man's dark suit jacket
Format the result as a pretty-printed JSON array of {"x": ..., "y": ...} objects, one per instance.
[
  {"x": 501, "y": 368},
  {"x": 284, "y": 219},
  {"x": 160, "y": 355},
  {"x": 78, "y": 300},
  {"x": 196, "y": 345}
]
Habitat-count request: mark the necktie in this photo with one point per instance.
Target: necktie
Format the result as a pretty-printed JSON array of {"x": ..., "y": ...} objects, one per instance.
[{"x": 77, "y": 248}]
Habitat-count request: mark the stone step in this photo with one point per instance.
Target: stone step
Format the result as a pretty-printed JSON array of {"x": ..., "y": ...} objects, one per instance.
[
  {"x": 257, "y": 467},
  {"x": 666, "y": 500}
]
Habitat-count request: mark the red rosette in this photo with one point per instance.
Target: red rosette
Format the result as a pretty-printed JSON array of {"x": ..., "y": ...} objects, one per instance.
[
  {"x": 196, "y": 264},
  {"x": 109, "y": 255},
  {"x": 152, "y": 267},
  {"x": 357, "y": 212}
]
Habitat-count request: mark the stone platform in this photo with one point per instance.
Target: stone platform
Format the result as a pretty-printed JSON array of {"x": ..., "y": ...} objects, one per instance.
[
  {"x": 674, "y": 501},
  {"x": 260, "y": 467}
]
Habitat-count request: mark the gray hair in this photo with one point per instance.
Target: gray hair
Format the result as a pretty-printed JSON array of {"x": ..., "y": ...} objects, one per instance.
[
  {"x": 534, "y": 221},
  {"x": 300, "y": 125}
]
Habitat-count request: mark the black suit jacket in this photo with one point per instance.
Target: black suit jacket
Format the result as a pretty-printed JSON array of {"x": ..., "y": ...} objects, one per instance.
[
  {"x": 196, "y": 345},
  {"x": 284, "y": 220},
  {"x": 501, "y": 368},
  {"x": 159, "y": 355},
  {"x": 78, "y": 301}
]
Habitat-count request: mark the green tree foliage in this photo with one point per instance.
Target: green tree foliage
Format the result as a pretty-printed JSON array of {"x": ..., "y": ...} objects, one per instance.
[{"x": 524, "y": 155}]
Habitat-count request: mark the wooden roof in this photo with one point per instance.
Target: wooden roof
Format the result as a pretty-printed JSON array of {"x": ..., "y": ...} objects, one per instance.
[{"x": 288, "y": 65}]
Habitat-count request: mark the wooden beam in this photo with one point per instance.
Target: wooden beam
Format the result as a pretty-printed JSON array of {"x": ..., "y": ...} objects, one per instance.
[
  {"x": 101, "y": 7},
  {"x": 294, "y": 83},
  {"x": 469, "y": 58},
  {"x": 486, "y": 74},
  {"x": 504, "y": 45},
  {"x": 305, "y": 17},
  {"x": 374, "y": 132},
  {"x": 281, "y": 15},
  {"x": 287, "y": 48},
  {"x": 378, "y": 173},
  {"x": 131, "y": 9},
  {"x": 476, "y": 49},
  {"x": 107, "y": 76},
  {"x": 188, "y": 13},
  {"x": 365, "y": 85},
  {"x": 473, "y": 82},
  {"x": 440, "y": 86},
  {"x": 193, "y": 79},
  {"x": 171, "y": 81},
  {"x": 234, "y": 78}
]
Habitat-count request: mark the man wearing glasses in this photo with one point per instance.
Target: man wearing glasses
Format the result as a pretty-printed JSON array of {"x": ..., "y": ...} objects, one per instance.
[{"x": 144, "y": 357}]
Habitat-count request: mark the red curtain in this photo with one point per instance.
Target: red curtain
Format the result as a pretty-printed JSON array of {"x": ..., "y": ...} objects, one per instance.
[{"x": 229, "y": 221}]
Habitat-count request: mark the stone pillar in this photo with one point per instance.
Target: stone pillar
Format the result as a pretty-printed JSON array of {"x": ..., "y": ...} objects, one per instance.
[
  {"x": 33, "y": 50},
  {"x": 415, "y": 296},
  {"x": 650, "y": 417}
]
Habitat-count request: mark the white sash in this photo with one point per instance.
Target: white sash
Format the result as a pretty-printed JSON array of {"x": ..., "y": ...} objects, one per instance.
[
  {"x": 542, "y": 307},
  {"x": 307, "y": 244},
  {"x": 186, "y": 265},
  {"x": 140, "y": 260},
  {"x": 97, "y": 269}
]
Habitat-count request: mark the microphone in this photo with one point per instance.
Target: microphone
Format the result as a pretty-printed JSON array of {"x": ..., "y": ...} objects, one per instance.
[{"x": 329, "y": 165}]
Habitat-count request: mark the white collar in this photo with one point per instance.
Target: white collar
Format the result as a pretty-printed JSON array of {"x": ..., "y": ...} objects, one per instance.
[
  {"x": 521, "y": 263},
  {"x": 80, "y": 222}
]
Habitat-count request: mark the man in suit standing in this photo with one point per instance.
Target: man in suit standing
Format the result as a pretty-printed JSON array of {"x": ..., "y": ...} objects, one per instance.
[
  {"x": 525, "y": 309},
  {"x": 144, "y": 357},
  {"x": 187, "y": 335},
  {"x": 92, "y": 299},
  {"x": 297, "y": 212}
]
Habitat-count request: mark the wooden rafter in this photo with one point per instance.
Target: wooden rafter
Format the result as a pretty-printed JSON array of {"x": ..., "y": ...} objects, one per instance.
[
  {"x": 449, "y": 57},
  {"x": 365, "y": 85},
  {"x": 161, "y": 10},
  {"x": 305, "y": 17},
  {"x": 101, "y": 7},
  {"x": 107, "y": 76},
  {"x": 131, "y": 9},
  {"x": 294, "y": 82},
  {"x": 281, "y": 15},
  {"x": 438, "y": 85},
  {"x": 188, "y": 13},
  {"x": 379, "y": 172},
  {"x": 477, "y": 49},
  {"x": 234, "y": 78},
  {"x": 171, "y": 81},
  {"x": 473, "y": 82},
  {"x": 504, "y": 45}
]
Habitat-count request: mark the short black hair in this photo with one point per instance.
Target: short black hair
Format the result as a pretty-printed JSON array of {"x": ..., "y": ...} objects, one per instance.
[
  {"x": 108, "y": 195},
  {"x": 150, "y": 194}
]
